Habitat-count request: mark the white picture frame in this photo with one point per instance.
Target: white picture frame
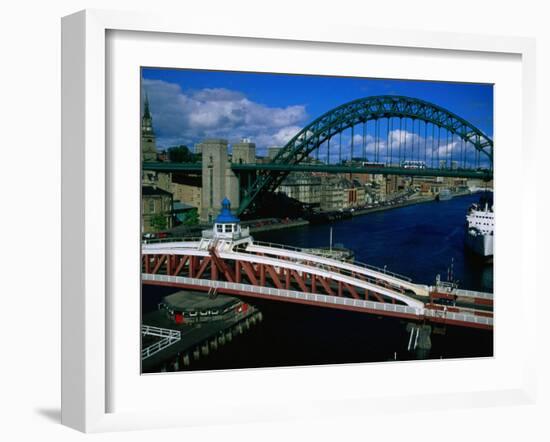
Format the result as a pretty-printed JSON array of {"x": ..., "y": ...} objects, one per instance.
[{"x": 85, "y": 213}]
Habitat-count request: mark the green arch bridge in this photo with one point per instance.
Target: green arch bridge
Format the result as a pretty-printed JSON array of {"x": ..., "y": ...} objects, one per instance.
[{"x": 388, "y": 134}]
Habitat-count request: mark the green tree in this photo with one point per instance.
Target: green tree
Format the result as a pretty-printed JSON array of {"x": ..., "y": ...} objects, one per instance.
[
  {"x": 180, "y": 154},
  {"x": 158, "y": 222},
  {"x": 191, "y": 217}
]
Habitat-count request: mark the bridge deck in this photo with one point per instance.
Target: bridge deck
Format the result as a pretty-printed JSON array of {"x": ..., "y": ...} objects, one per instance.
[
  {"x": 380, "y": 308},
  {"x": 417, "y": 305},
  {"x": 196, "y": 168}
]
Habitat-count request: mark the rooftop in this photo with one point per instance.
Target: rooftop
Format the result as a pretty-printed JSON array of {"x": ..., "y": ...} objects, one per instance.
[
  {"x": 150, "y": 191},
  {"x": 214, "y": 141},
  {"x": 186, "y": 300},
  {"x": 225, "y": 215},
  {"x": 178, "y": 205}
]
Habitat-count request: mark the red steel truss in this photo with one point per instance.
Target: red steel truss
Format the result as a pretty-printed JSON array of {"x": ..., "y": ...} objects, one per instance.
[{"x": 215, "y": 268}]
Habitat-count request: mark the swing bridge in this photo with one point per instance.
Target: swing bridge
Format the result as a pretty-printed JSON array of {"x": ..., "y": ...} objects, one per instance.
[
  {"x": 228, "y": 260},
  {"x": 388, "y": 135}
]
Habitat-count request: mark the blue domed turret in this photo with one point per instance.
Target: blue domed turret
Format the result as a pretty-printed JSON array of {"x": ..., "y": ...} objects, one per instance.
[
  {"x": 226, "y": 231},
  {"x": 225, "y": 215},
  {"x": 226, "y": 225}
]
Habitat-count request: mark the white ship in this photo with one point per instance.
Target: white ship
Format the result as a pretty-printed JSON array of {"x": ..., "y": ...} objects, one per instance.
[{"x": 480, "y": 226}]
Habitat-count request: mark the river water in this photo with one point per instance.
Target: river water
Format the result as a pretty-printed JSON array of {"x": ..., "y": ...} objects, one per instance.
[{"x": 419, "y": 241}]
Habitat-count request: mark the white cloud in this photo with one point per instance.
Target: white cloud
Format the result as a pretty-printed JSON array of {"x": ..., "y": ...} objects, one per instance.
[
  {"x": 187, "y": 117},
  {"x": 411, "y": 146},
  {"x": 404, "y": 138},
  {"x": 278, "y": 138}
]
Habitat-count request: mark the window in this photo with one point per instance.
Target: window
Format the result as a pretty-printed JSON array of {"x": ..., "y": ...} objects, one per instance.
[
  {"x": 219, "y": 228},
  {"x": 211, "y": 194}
]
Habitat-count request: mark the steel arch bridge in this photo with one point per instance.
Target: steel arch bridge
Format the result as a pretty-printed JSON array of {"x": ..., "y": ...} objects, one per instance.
[{"x": 475, "y": 146}]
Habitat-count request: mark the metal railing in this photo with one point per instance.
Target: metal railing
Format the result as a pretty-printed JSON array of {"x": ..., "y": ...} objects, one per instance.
[
  {"x": 286, "y": 247},
  {"x": 473, "y": 294},
  {"x": 341, "y": 274},
  {"x": 327, "y": 299},
  {"x": 304, "y": 263},
  {"x": 244, "y": 233},
  {"x": 461, "y": 292},
  {"x": 322, "y": 266},
  {"x": 169, "y": 337},
  {"x": 312, "y": 252},
  {"x": 461, "y": 317},
  {"x": 390, "y": 289},
  {"x": 171, "y": 239},
  {"x": 282, "y": 293}
]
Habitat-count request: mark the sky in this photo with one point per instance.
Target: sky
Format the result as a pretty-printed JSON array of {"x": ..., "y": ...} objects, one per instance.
[{"x": 191, "y": 105}]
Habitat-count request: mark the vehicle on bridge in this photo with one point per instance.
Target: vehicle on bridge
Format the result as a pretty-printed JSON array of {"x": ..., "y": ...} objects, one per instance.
[{"x": 413, "y": 164}]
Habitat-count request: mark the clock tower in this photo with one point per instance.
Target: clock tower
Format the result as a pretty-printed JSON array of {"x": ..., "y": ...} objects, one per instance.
[{"x": 148, "y": 145}]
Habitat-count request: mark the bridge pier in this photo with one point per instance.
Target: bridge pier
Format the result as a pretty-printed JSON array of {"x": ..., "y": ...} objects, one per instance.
[
  {"x": 186, "y": 361},
  {"x": 214, "y": 343},
  {"x": 205, "y": 349},
  {"x": 419, "y": 339},
  {"x": 229, "y": 336}
]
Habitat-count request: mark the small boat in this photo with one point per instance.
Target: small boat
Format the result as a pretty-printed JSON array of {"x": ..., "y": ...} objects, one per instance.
[{"x": 444, "y": 195}]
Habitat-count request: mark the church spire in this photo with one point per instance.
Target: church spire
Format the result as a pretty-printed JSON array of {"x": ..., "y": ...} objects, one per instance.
[
  {"x": 146, "y": 112},
  {"x": 148, "y": 145},
  {"x": 147, "y": 119}
]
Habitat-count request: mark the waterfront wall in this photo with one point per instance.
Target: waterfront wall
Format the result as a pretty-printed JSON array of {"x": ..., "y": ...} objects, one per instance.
[{"x": 279, "y": 226}]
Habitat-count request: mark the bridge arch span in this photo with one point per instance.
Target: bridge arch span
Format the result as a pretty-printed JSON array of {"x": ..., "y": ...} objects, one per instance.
[{"x": 357, "y": 112}]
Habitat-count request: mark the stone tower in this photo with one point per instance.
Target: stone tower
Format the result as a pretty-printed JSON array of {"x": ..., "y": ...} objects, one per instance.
[
  {"x": 148, "y": 144},
  {"x": 244, "y": 152},
  {"x": 218, "y": 180}
]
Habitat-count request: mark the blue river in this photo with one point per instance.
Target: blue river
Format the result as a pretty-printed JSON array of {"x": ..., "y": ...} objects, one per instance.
[{"x": 419, "y": 241}]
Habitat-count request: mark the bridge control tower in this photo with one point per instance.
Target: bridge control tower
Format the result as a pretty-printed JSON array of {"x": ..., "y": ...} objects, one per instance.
[{"x": 226, "y": 232}]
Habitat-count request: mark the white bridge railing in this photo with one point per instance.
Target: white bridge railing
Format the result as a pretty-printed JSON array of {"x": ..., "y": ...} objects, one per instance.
[
  {"x": 323, "y": 254},
  {"x": 282, "y": 293},
  {"x": 168, "y": 336},
  {"x": 458, "y": 316},
  {"x": 473, "y": 294},
  {"x": 323, "y": 299}
]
